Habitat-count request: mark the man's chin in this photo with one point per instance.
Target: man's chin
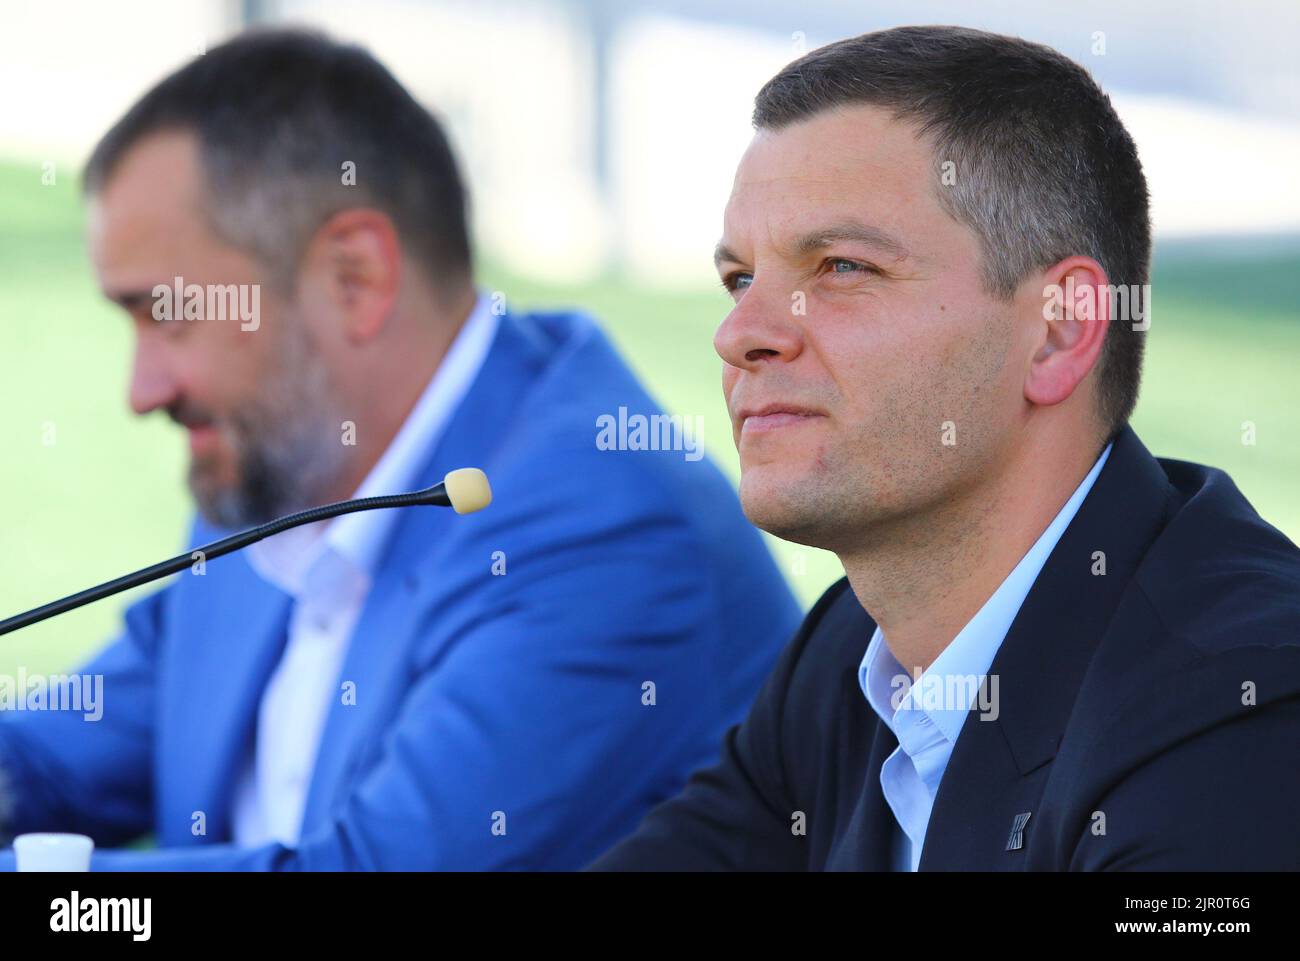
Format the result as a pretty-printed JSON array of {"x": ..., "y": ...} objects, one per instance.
[
  {"x": 780, "y": 505},
  {"x": 218, "y": 501},
  {"x": 217, "y": 510}
]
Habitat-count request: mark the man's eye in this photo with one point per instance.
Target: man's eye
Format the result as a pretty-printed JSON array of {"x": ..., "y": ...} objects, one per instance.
[
  {"x": 737, "y": 281},
  {"x": 838, "y": 265}
]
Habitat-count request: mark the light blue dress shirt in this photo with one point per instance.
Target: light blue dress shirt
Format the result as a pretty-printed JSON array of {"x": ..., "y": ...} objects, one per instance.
[{"x": 927, "y": 714}]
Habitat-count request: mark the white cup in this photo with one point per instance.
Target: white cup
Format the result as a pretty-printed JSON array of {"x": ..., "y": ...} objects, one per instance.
[{"x": 53, "y": 852}]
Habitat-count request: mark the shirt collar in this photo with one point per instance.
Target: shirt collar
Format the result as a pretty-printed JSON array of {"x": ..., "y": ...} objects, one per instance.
[
  {"x": 889, "y": 688},
  {"x": 358, "y": 538}
]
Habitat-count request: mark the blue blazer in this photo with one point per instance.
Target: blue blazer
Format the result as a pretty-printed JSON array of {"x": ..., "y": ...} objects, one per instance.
[
  {"x": 1148, "y": 717},
  {"x": 524, "y": 720}
]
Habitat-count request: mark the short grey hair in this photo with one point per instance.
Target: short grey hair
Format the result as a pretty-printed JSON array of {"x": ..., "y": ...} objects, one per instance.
[{"x": 278, "y": 113}]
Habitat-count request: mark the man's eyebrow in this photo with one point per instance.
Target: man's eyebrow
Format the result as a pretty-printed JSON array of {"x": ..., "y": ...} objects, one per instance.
[
  {"x": 723, "y": 253},
  {"x": 129, "y": 299},
  {"x": 850, "y": 230}
]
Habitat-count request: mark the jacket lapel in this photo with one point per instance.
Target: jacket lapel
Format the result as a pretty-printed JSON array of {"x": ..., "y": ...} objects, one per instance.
[
  {"x": 211, "y": 713},
  {"x": 377, "y": 664},
  {"x": 868, "y": 839},
  {"x": 999, "y": 767}
]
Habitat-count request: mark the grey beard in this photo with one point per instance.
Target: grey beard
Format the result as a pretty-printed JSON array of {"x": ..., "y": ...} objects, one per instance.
[
  {"x": 280, "y": 472},
  {"x": 288, "y": 446}
]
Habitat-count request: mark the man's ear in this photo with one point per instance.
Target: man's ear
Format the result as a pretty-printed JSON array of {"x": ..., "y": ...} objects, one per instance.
[
  {"x": 354, "y": 260},
  {"x": 1075, "y": 316}
]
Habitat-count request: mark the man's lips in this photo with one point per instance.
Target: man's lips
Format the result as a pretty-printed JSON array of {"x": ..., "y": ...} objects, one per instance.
[
  {"x": 774, "y": 417},
  {"x": 202, "y": 437}
]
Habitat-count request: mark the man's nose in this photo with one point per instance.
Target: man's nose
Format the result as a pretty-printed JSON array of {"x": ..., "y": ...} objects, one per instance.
[
  {"x": 152, "y": 383},
  {"x": 761, "y": 328}
]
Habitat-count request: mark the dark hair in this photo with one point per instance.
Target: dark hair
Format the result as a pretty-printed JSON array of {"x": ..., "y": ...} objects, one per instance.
[
  {"x": 1043, "y": 167},
  {"x": 277, "y": 114}
]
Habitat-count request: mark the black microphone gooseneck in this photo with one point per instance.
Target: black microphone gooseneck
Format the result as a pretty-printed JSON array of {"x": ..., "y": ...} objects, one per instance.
[{"x": 469, "y": 492}]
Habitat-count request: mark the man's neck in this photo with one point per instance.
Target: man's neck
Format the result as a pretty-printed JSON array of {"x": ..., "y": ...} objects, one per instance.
[
  {"x": 926, "y": 576},
  {"x": 403, "y": 380}
]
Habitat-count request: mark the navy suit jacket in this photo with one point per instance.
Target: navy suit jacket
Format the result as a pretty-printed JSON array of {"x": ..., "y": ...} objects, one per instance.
[
  {"x": 502, "y": 717},
  {"x": 1148, "y": 717}
]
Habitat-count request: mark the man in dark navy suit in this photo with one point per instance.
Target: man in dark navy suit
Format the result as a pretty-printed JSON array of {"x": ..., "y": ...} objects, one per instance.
[{"x": 1052, "y": 650}]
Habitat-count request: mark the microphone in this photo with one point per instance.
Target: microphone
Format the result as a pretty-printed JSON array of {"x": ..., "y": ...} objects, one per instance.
[{"x": 465, "y": 491}]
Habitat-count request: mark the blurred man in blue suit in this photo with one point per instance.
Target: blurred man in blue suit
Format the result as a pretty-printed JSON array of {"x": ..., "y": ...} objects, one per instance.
[{"x": 392, "y": 689}]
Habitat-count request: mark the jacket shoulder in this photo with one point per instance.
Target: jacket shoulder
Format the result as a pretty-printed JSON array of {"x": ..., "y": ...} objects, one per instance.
[{"x": 1219, "y": 577}]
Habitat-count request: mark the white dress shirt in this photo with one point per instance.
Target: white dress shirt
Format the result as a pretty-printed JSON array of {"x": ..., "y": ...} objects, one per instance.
[
  {"x": 326, "y": 568},
  {"x": 925, "y": 726}
]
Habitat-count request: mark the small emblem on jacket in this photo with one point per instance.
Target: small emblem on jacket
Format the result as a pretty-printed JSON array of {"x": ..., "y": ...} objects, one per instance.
[{"x": 1017, "y": 839}]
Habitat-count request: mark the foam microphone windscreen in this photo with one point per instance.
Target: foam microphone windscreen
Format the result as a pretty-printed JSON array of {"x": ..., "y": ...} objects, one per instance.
[{"x": 468, "y": 490}]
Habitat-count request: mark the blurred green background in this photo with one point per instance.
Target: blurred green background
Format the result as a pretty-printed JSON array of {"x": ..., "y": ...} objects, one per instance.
[{"x": 90, "y": 492}]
